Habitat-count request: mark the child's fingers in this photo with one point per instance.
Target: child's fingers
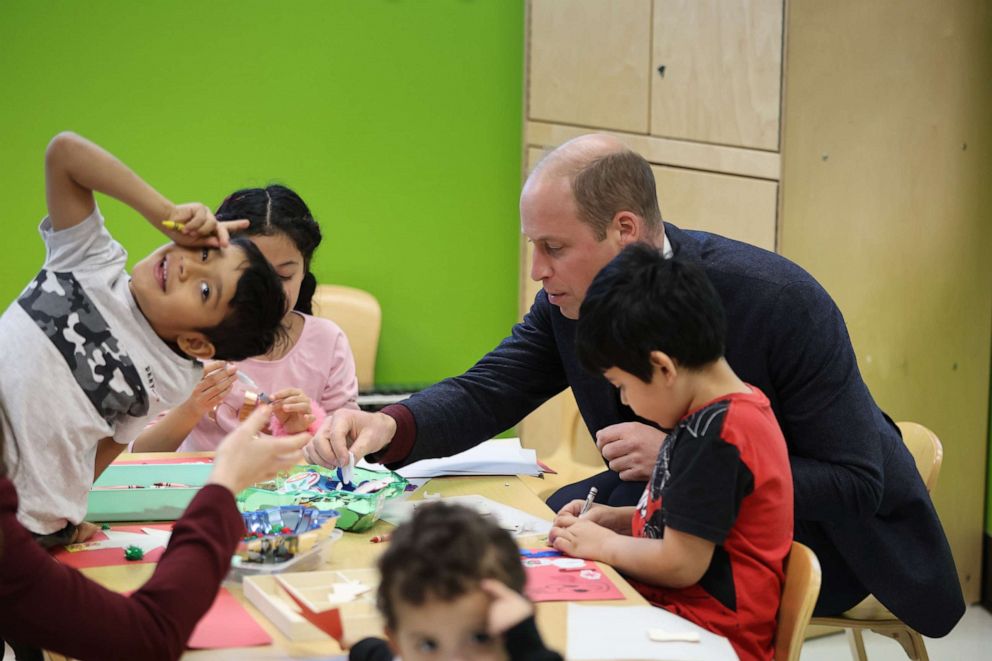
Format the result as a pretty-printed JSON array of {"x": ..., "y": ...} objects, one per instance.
[
  {"x": 496, "y": 589},
  {"x": 285, "y": 393},
  {"x": 257, "y": 420},
  {"x": 288, "y": 450}
]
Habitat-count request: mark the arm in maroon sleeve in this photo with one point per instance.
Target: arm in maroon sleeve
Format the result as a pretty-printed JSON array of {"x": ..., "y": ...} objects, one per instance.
[
  {"x": 401, "y": 444},
  {"x": 55, "y": 607}
]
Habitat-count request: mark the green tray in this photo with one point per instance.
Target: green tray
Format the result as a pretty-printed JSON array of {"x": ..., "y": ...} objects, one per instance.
[
  {"x": 166, "y": 504},
  {"x": 357, "y": 512}
]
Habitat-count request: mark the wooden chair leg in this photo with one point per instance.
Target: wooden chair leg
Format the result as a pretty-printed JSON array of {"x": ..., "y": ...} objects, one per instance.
[
  {"x": 856, "y": 643},
  {"x": 911, "y": 641}
]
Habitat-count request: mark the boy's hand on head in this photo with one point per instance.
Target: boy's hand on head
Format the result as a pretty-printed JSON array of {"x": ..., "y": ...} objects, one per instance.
[
  {"x": 359, "y": 432},
  {"x": 580, "y": 538},
  {"x": 631, "y": 449},
  {"x": 508, "y": 607},
  {"x": 246, "y": 457},
  {"x": 197, "y": 226},
  {"x": 217, "y": 381},
  {"x": 293, "y": 409}
]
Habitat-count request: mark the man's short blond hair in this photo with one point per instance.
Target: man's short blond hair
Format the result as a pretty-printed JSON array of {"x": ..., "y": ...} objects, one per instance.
[{"x": 620, "y": 181}]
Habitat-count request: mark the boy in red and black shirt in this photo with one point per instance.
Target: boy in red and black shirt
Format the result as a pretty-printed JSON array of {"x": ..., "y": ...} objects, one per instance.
[{"x": 710, "y": 535}]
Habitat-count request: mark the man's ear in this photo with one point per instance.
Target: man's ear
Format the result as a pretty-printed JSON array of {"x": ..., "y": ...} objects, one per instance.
[
  {"x": 630, "y": 227},
  {"x": 196, "y": 345},
  {"x": 665, "y": 367}
]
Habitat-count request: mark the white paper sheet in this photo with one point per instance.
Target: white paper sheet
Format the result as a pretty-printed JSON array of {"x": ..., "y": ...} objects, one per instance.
[
  {"x": 516, "y": 522},
  {"x": 621, "y": 632},
  {"x": 499, "y": 456}
]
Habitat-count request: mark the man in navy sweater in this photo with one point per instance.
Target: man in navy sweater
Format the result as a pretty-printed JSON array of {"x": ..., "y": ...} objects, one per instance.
[{"x": 859, "y": 501}]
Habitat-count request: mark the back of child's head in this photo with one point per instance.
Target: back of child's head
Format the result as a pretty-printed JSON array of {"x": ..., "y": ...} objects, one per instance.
[
  {"x": 641, "y": 302},
  {"x": 444, "y": 552},
  {"x": 276, "y": 210},
  {"x": 253, "y": 321}
]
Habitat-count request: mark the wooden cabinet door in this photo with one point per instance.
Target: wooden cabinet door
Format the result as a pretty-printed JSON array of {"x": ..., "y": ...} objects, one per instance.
[
  {"x": 739, "y": 208},
  {"x": 588, "y": 63},
  {"x": 722, "y": 71}
]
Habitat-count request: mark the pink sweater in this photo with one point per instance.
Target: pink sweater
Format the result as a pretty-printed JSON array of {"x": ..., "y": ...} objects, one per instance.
[{"x": 320, "y": 364}]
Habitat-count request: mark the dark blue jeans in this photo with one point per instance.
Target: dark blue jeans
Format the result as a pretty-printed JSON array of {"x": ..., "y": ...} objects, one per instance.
[{"x": 610, "y": 490}]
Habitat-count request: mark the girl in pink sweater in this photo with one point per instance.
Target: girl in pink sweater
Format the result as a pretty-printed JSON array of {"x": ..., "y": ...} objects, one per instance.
[{"x": 309, "y": 373}]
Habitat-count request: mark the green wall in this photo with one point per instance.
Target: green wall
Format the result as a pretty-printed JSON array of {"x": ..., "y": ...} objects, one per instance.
[{"x": 398, "y": 121}]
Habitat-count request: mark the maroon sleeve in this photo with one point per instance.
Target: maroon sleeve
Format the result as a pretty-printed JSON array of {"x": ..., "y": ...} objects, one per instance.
[
  {"x": 55, "y": 607},
  {"x": 402, "y": 443}
]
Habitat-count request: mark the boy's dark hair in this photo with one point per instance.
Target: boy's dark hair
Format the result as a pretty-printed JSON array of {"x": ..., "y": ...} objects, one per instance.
[
  {"x": 445, "y": 551},
  {"x": 277, "y": 210},
  {"x": 641, "y": 302},
  {"x": 252, "y": 325}
]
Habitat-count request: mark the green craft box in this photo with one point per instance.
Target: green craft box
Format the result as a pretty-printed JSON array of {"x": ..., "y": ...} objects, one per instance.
[{"x": 165, "y": 504}]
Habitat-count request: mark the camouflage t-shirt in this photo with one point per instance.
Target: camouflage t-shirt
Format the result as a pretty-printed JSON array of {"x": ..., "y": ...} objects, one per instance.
[{"x": 79, "y": 362}]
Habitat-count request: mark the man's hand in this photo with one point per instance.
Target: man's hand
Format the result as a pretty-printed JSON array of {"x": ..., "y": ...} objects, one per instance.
[
  {"x": 359, "y": 432},
  {"x": 293, "y": 409},
  {"x": 580, "y": 538},
  {"x": 631, "y": 448},
  {"x": 197, "y": 226}
]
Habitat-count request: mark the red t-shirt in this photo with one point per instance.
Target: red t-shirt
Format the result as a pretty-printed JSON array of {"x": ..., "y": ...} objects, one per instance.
[{"x": 723, "y": 475}]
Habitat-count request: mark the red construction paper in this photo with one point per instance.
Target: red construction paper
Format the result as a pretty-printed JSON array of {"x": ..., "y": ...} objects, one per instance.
[
  {"x": 545, "y": 468},
  {"x": 227, "y": 624},
  {"x": 108, "y": 557},
  {"x": 546, "y": 581}
]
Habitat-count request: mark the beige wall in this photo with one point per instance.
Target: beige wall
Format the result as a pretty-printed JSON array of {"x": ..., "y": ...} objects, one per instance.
[{"x": 887, "y": 179}]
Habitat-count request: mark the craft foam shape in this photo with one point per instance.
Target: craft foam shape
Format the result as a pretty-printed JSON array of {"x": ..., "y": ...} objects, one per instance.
[{"x": 328, "y": 621}]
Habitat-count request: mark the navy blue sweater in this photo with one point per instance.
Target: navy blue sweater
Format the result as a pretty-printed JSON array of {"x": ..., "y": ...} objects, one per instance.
[{"x": 859, "y": 500}]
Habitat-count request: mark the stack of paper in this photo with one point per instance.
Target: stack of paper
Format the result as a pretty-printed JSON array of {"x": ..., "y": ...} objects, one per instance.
[{"x": 500, "y": 456}]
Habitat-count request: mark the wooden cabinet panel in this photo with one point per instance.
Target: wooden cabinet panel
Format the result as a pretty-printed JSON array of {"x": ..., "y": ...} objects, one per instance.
[
  {"x": 737, "y": 207},
  {"x": 589, "y": 63},
  {"x": 722, "y": 77}
]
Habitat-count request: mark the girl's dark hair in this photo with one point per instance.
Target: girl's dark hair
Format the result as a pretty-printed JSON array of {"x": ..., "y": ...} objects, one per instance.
[
  {"x": 641, "y": 302},
  {"x": 277, "y": 210},
  {"x": 444, "y": 552}
]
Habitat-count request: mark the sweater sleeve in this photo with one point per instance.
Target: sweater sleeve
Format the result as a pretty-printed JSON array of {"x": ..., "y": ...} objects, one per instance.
[
  {"x": 523, "y": 643},
  {"x": 370, "y": 649},
  {"x": 55, "y": 607},
  {"x": 828, "y": 417},
  {"x": 509, "y": 382}
]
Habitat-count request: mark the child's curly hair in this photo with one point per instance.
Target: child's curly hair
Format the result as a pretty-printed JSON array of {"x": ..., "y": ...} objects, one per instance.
[{"x": 445, "y": 551}]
